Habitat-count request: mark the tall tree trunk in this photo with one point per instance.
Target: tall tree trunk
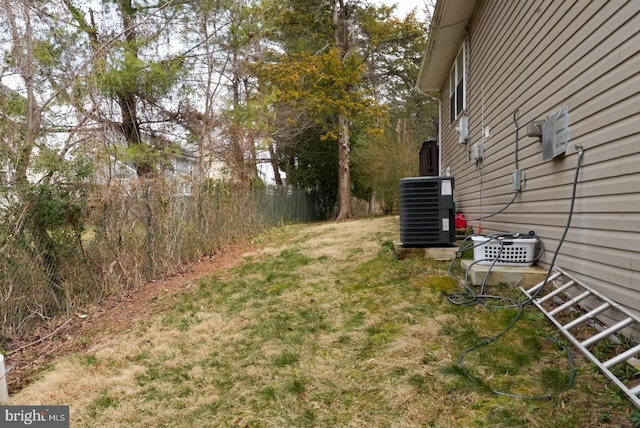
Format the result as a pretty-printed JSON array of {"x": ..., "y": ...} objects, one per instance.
[
  {"x": 237, "y": 150},
  {"x": 251, "y": 138},
  {"x": 131, "y": 132},
  {"x": 274, "y": 165},
  {"x": 341, "y": 38},
  {"x": 344, "y": 171},
  {"x": 127, "y": 99},
  {"x": 402, "y": 131}
]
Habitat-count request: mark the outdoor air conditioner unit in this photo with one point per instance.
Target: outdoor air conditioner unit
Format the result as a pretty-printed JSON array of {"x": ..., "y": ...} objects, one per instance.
[{"x": 427, "y": 211}]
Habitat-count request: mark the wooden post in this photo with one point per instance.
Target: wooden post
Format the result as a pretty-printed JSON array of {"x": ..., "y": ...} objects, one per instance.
[{"x": 4, "y": 392}]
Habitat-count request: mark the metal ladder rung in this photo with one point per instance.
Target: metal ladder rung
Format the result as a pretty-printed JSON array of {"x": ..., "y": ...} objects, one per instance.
[
  {"x": 556, "y": 291},
  {"x": 622, "y": 357},
  {"x": 635, "y": 390},
  {"x": 589, "y": 315},
  {"x": 608, "y": 332},
  {"x": 543, "y": 283},
  {"x": 570, "y": 303}
]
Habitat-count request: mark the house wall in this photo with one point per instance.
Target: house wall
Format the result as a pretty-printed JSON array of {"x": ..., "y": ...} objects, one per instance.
[{"x": 538, "y": 56}]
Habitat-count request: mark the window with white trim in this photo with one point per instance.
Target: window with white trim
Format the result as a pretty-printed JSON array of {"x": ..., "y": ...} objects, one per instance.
[{"x": 457, "y": 85}]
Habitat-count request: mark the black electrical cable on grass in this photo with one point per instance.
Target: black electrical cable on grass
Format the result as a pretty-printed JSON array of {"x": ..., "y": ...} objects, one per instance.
[{"x": 471, "y": 298}]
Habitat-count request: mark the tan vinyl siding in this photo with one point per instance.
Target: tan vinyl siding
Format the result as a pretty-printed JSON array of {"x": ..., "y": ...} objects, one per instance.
[{"x": 538, "y": 56}]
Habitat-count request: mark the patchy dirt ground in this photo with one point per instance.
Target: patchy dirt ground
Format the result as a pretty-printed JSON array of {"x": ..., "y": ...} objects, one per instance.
[{"x": 90, "y": 325}]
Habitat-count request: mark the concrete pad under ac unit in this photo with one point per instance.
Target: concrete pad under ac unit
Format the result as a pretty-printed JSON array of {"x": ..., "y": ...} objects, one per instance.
[
  {"x": 446, "y": 253},
  {"x": 525, "y": 277}
]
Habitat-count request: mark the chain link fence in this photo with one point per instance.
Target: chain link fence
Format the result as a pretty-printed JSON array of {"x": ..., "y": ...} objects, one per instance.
[{"x": 64, "y": 247}]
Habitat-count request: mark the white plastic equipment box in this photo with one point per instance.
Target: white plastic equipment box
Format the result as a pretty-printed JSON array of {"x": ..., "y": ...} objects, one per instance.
[{"x": 515, "y": 251}]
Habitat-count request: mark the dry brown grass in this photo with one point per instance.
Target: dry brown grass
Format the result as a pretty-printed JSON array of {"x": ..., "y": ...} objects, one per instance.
[{"x": 322, "y": 326}]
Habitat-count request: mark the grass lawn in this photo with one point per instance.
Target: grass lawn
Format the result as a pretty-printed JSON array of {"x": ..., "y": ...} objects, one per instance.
[{"x": 322, "y": 326}]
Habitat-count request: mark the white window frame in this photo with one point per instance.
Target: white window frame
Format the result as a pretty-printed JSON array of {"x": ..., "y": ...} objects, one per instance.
[{"x": 455, "y": 75}]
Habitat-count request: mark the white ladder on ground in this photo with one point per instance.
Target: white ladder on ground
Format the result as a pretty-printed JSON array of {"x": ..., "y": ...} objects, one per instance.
[{"x": 572, "y": 307}]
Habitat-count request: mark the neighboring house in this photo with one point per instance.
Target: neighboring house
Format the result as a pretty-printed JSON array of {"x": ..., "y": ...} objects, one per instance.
[
  {"x": 182, "y": 169},
  {"x": 185, "y": 167},
  {"x": 574, "y": 61},
  {"x": 117, "y": 172}
]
